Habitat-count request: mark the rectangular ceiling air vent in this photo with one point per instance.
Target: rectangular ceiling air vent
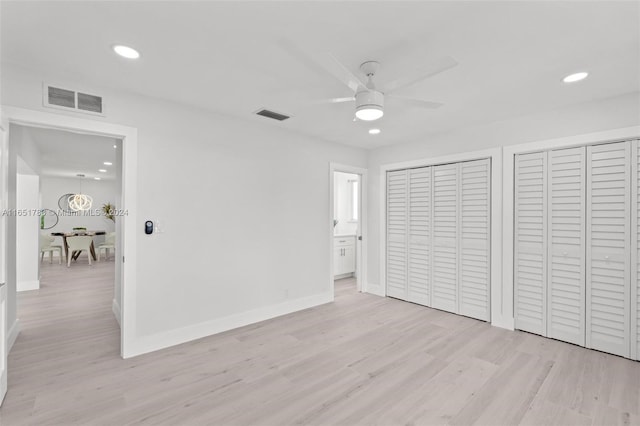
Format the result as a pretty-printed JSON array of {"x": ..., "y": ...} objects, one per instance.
[
  {"x": 61, "y": 97},
  {"x": 57, "y": 97},
  {"x": 90, "y": 103},
  {"x": 271, "y": 114}
]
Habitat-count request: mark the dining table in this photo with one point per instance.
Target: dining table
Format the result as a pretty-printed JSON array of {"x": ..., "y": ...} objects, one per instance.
[{"x": 76, "y": 233}]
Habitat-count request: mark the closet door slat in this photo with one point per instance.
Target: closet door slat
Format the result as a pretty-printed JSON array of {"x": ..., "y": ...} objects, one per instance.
[
  {"x": 608, "y": 248},
  {"x": 445, "y": 237},
  {"x": 419, "y": 236},
  {"x": 566, "y": 245},
  {"x": 475, "y": 202},
  {"x": 397, "y": 252},
  {"x": 530, "y": 242}
]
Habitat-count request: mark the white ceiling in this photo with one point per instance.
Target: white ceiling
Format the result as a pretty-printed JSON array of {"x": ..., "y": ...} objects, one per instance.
[
  {"x": 227, "y": 56},
  {"x": 66, "y": 154}
]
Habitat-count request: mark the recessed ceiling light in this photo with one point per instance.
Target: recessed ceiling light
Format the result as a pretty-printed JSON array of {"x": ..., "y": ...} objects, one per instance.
[
  {"x": 126, "y": 51},
  {"x": 102, "y": 171},
  {"x": 96, "y": 178},
  {"x": 107, "y": 163},
  {"x": 572, "y": 78},
  {"x": 374, "y": 131},
  {"x": 115, "y": 146}
]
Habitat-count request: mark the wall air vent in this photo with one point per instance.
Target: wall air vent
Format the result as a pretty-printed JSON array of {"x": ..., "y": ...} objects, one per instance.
[
  {"x": 271, "y": 114},
  {"x": 67, "y": 99}
]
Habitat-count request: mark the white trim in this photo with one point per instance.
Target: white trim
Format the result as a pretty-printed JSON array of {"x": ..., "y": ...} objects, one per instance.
[
  {"x": 500, "y": 317},
  {"x": 12, "y": 335},
  {"x": 361, "y": 245},
  {"x": 376, "y": 289},
  {"x": 28, "y": 285},
  {"x": 508, "y": 164},
  {"x": 347, "y": 275},
  {"x": 635, "y": 313},
  {"x": 177, "y": 336},
  {"x": 129, "y": 137},
  {"x": 117, "y": 312}
]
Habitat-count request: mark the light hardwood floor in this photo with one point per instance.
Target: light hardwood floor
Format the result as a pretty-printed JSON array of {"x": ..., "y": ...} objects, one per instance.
[{"x": 361, "y": 360}]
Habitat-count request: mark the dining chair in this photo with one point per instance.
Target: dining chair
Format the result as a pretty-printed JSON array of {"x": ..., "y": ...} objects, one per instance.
[
  {"x": 77, "y": 244},
  {"x": 45, "y": 246},
  {"x": 109, "y": 243}
]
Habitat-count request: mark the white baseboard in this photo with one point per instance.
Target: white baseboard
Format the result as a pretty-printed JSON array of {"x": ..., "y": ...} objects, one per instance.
[
  {"x": 28, "y": 285},
  {"x": 117, "y": 312},
  {"x": 146, "y": 344},
  {"x": 375, "y": 289},
  {"x": 347, "y": 275},
  {"x": 496, "y": 321},
  {"x": 507, "y": 323},
  {"x": 12, "y": 334}
]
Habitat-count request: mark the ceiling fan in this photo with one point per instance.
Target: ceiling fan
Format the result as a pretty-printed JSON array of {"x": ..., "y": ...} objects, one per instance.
[{"x": 370, "y": 99}]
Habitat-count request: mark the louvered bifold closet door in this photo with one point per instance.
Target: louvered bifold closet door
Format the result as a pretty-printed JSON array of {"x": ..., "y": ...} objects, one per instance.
[
  {"x": 474, "y": 238},
  {"x": 608, "y": 248},
  {"x": 419, "y": 267},
  {"x": 397, "y": 234},
  {"x": 445, "y": 237},
  {"x": 566, "y": 241},
  {"x": 635, "y": 250},
  {"x": 530, "y": 239}
]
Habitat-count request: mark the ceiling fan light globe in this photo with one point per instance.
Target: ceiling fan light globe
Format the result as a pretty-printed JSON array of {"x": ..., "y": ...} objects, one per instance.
[{"x": 369, "y": 113}]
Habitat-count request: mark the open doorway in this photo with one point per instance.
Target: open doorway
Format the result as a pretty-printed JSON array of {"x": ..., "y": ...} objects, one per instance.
[
  {"x": 124, "y": 294},
  {"x": 62, "y": 285},
  {"x": 348, "y": 212}
]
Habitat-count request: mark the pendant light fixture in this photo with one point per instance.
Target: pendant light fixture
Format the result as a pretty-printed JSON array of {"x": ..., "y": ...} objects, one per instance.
[{"x": 80, "y": 202}]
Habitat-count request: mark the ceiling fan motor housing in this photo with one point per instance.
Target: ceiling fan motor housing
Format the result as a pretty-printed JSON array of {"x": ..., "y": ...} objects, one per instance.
[{"x": 369, "y": 99}]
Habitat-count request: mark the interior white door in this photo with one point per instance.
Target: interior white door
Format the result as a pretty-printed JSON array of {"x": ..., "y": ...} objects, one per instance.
[
  {"x": 566, "y": 245},
  {"x": 446, "y": 192},
  {"x": 419, "y": 236},
  {"x": 635, "y": 250},
  {"x": 475, "y": 201},
  {"x": 530, "y": 242},
  {"x": 608, "y": 248},
  {"x": 396, "y": 265},
  {"x": 3, "y": 244},
  {"x": 3, "y": 341}
]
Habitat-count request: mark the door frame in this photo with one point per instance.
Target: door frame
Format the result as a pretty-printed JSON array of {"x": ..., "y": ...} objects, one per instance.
[
  {"x": 496, "y": 290},
  {"x": 129, "y": 137},
  {"x": 361, "y": 237}
]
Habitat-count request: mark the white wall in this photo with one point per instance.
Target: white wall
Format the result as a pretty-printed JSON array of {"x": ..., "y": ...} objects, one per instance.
[
  {"x": 22, "y": 155},
  {"x": 117, "y": 292},
  {"x": 103, "y": 191},
  {"x": 27, "y": 232},
  {"x": 612, "y": 113},
  {"x": 342, "y": 204},
  {"x": 243, "y": 240}
]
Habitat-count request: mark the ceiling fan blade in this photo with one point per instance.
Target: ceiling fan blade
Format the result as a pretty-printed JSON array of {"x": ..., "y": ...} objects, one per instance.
[
  {"x": 416, "y": 103},
  {"x": 301, "y": 56},
  {"x": 424, "y": 72},
  {"x": 336, "y": 100},
  {"x": 334, "y": 67},
  {"x": 322, "y": 64}
]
